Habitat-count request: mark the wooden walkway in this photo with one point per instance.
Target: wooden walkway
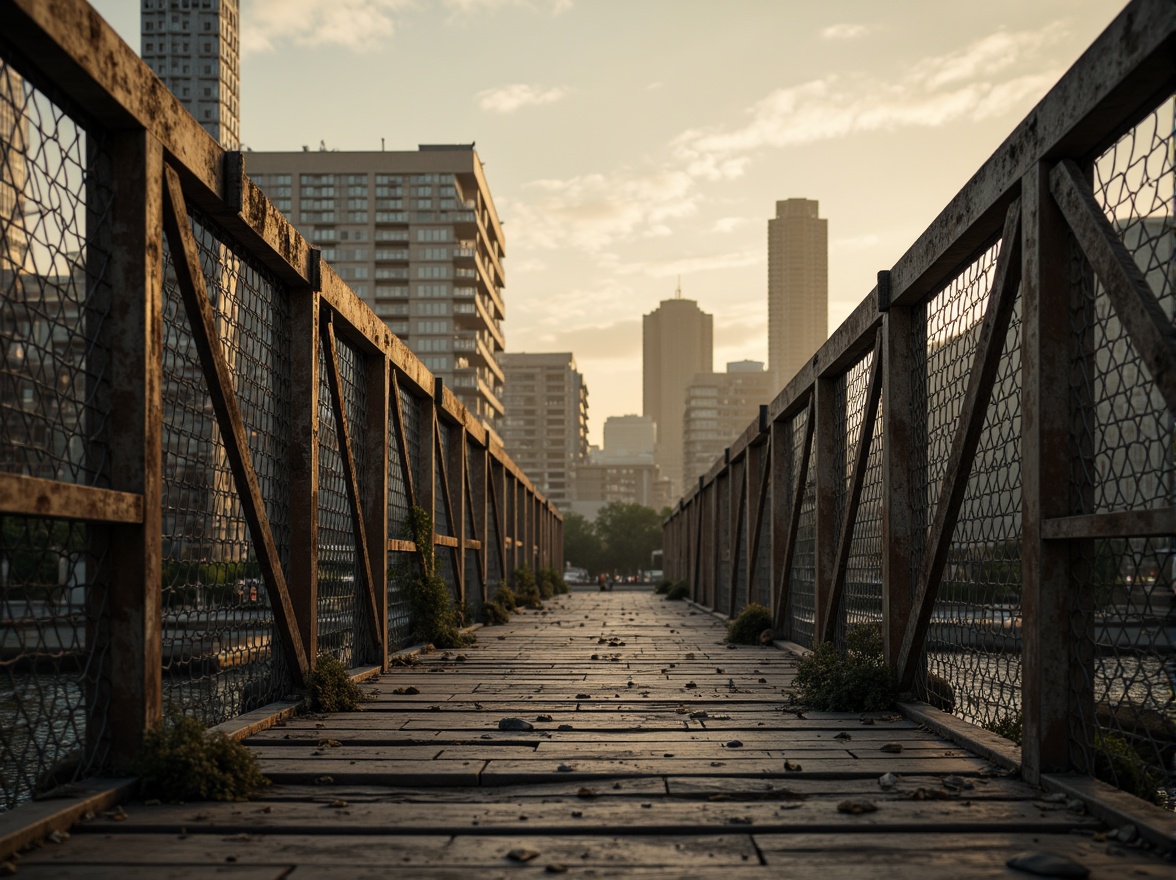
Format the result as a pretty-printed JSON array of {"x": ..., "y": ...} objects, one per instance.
[{"x": 656, "y": 752}]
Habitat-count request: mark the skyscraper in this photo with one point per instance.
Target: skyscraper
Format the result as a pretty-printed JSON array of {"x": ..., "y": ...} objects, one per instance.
[
  {"x": 719, "y": 407},
  {"x": 416, "y": 235},
  {"x": 546, "y": 424},
  {"x": 678, "y": 343},
  {"x": 193, "y": 46},
  {"x": 798, "y": 287}
]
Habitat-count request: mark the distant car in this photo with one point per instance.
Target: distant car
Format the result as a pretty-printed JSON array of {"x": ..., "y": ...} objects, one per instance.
[{"x": 576, "y": 575}]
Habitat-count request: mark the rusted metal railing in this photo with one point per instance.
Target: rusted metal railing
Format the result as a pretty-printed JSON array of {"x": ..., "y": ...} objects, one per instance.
[
  {"x": 982, "y": 459},
  {"x": 210, "y": 445}
]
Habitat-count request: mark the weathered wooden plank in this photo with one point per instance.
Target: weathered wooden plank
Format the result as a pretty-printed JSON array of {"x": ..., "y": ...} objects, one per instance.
[
  {"x": 21, "y": 495},
  {"x": 1158, "y": 523}
]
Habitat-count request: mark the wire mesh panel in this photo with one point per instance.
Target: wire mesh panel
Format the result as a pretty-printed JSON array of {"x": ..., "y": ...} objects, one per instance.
[
  {"x": 724, "y": 540},
  {"x": 762, "y": 569},
  {"x": 339, "y": 582},
  {"x": 410, "y": 406},
  {"x": 441, "y": 519},
  {"x": 801, "y": 611},
  {"x": 55, "y": 198},
  {"x": 399, "y": 618},
  {"x": 220, "y": 650},
  {"x": 1124, "y": 446},
  {"x": 974, "y": 642},
  {"x": 739, "y": 543},
  {"x": 862, "y": 596}
]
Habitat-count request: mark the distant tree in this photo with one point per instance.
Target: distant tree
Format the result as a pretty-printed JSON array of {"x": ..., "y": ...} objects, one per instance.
[
  {"x": 629, "y": 533},
  {"x": 581, "y": 543}
]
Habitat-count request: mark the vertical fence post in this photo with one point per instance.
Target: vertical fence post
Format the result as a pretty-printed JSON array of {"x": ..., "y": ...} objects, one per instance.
[
  {"x": 455, "y": 469},
  {"x": 899, "y": 416},
  {"x": 303, "y": 464},
  {"x": 824, "y": 460},
  {"x": 374, "y": 491},
  {"x": 133, "y": 579},
  {"x": 1047, "y": 677},
  {"x": 426, "y": 468}
]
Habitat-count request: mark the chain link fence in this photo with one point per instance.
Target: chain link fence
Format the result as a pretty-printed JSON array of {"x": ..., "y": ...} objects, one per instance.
[
  {"x": 1124, "y": 458},
  {"x": 801, "y": 618},
  {"x": 220, "y": 650},
  {"x": 55, "y": 199}
]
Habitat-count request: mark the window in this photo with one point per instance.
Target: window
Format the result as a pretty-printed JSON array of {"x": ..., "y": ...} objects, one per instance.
[
  {"x": 433, "y": 291},
  {"x": 355, "y": 235},
  {"x": 400, "y": 328},
  {"x": 389, "y": 204},
  {"x": 357, "y": 204},
  {"x": 391, "y": 235},
  {"x": 389, "y": 191},
  {"x": 357, "y": 216},
  {"x": 422, "y": 190},
  {"x": 433, "y": 234},
  {"x": 399, "y": 290},
  {"x": 358, "y": 191},
  {"x": 424, "y": 204},
  {"x": 357, "y": 179},
  {"x": 432, "y": 326},
  {"x": 389, "y": 178},
  {"x": 317, "y": 179},
  {"x": 433, "y": 253},
  {"x": 392, "y": 272},
  {"x": 391, "y": 216},
  {"x": 433, "y": 271},
  {"x": 432, "y": 344},
  {"x": 391, "y": 253},
  {"x": 432, "y": 308},
  {"x": 350, "y": 273},
  {"x": 436, "y": 362}
]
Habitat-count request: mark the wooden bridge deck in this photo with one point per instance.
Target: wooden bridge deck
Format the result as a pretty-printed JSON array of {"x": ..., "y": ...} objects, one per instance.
[{"x": 657, "y": 752}]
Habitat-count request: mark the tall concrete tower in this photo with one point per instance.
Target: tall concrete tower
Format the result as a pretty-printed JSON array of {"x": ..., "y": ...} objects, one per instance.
[
  {"x": 678, "y": 344},
  {"x": 798, "y": 286},
  {"x": 195, "y": 49}
]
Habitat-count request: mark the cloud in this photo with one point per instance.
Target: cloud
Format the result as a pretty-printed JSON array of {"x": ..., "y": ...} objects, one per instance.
[
  {"x": 844, "y": 31},
  {"x": 353, "y": 24},
  {"x": 725, "y": 225},
  {"x": 459, "y": 8},
  {"x": 507, "y": 99},
  {"x": 592, "y": 211},
  {"x": 965, "y": 85},
  {"x": 618, "y": 341},
  {"x": 690, "y": 265}
]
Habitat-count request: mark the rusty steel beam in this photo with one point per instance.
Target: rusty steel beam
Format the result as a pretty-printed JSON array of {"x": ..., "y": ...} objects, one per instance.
[
  {"x": 857, "y": 480},
  {"x": 1149, "y": 328},
  {"x": 736, "y": 526},
  {"x": 350, "y": 473},
  {"x": 219, "y": 379},
  {"x": 981, "y": 379},
  {"x": 33, "y": 496},
  {"x": 783, "y": 591}
]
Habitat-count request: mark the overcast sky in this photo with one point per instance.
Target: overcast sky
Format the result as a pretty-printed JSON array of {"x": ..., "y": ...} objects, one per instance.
[{"x": 627, "y": 142}]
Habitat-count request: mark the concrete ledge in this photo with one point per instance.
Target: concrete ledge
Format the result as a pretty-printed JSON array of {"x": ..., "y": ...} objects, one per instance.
[
  {"x": 1155, "y": 825},
  {"x": 59, "y": 811}
]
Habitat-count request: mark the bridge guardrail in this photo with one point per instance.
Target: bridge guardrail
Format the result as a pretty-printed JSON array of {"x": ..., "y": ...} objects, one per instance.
[
  {"x": 209, "y": 444},
  {"x": 1008, "y": 516}
]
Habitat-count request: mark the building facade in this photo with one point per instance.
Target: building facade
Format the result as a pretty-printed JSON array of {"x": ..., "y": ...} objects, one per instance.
[
  {"x": 600, "y": 483},
  {"x": 416, "y": 235},
  {"x": 798, "y": 286},
  {"x": 629, "y": 438},
  {"x": 546, "y": 423},
  {"x": 719, "y": 407},
  {"x": 194, "y": 47},
  {"x": 678, "y": 342}
]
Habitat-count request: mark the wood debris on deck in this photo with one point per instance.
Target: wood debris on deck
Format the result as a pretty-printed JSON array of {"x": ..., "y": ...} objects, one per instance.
[{"x": 654, "y": 751}]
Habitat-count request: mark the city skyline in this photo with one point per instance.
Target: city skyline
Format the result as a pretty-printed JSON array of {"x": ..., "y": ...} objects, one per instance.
[{"x": 613, "y": 180}]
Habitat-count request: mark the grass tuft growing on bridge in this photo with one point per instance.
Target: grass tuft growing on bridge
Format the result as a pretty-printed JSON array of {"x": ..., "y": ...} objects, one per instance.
[
  {"x": 751, "y": 623},
  {"x": 678, "y": 591},
  {"x": 331, "y": 688},
  {"x": 181, "y": 761},
  {"x": 436, "y": 619},
  {"x": 852, "y": 680}
]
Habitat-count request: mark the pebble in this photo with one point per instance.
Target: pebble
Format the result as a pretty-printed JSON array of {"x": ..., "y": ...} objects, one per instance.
[
  {"x": 857, "y": 807},
  {"x": 564, "y": 768},
  {"x": 892, "y": 748},
  {"x": 735, "y": 744},
  {"x": 564, "y": 727},
  {"x": 1126, "y": 834},
  {"x": 522, "y": 854},
  {"x": 1045, "y": 864},
  {"x": 887, "y": 781},
  {"x": 515, "y": 724}
]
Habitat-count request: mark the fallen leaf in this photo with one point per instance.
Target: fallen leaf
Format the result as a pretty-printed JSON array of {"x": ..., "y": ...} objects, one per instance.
[
  {"x": 856, "y": 807},
  {"x": 892, "y": 748},
  {"x": 515, "y": 724},
  {"x": 522, "y": 854},
  {"x": 1046, "y": 864}
]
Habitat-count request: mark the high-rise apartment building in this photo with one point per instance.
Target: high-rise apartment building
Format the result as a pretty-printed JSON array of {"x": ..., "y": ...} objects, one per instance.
[
  {"x": 416, "y": 235},
  {"x": 678, "y": 343},
  {"x": 798, "y": 286},
  {"x": 719, "y": 407},
  {"x": 194, "y": 47},
  {"x": 14, "y": 148},
  {"x": 546, "y": 423},
  {"x": 631, "y": 439}
]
